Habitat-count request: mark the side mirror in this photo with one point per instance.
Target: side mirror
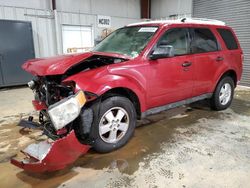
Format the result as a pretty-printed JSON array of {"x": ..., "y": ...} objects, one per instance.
[{"x": 162, "y": 51}]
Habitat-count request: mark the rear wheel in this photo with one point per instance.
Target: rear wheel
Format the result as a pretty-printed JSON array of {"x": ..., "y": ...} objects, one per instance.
[
  {"x": 223, "y": 95},
  {"x": 114, "y": 124}
]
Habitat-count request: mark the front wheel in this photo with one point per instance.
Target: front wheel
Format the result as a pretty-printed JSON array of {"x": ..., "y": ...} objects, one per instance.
[
  {"x": 223, "y": 94},
  {"x": 114, "y": 124}
]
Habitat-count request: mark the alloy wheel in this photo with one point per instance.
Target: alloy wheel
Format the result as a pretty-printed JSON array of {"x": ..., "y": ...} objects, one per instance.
[
  {"x": 225, "y": 94},
  {"x": 113, "y": 125}
]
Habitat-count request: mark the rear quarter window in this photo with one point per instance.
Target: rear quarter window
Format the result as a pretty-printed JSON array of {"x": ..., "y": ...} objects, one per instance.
[{"x": 228, "y": 38}]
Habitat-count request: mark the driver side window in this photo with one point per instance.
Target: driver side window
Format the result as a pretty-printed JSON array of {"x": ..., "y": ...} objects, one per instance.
[{"x": 178, "y": 39}]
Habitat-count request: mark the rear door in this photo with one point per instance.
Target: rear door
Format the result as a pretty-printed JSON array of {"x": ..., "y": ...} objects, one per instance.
[
  {"x": 207, "y": 59},
  {"x": 171, "y": 79}
]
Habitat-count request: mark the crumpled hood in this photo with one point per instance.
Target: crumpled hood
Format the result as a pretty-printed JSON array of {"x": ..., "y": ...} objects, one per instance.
[{"x": 60, "y": 64}]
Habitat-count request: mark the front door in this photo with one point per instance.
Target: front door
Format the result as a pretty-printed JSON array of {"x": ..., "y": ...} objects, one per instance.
[{"x": 171, "y": 78}]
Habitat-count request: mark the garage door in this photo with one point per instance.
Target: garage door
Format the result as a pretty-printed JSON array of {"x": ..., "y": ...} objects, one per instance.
[
  {"x": 76, "y": 39},
  {"x": 237, "y": 15}
]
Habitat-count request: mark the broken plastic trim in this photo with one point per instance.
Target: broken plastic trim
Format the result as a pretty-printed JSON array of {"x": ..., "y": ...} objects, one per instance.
[{"x": 53, "y": 156}]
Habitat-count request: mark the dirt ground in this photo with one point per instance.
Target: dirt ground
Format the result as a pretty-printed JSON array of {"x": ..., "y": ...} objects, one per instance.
[{"x": 190, "y": 146}]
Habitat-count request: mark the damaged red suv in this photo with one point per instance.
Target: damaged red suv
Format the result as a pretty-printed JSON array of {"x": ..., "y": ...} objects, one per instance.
[{"x": 138, "y": 70}]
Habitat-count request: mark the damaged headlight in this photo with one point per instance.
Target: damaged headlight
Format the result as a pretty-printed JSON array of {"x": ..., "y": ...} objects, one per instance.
[{"x": 66, "y": 110}]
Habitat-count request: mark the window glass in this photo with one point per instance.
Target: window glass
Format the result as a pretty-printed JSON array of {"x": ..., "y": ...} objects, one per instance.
[
  {"x": 128, "y": 40},
  {"x": 228, "y": 38},
  {"x": 177, "y": 38},
  {"x": 203, "y": 41}
]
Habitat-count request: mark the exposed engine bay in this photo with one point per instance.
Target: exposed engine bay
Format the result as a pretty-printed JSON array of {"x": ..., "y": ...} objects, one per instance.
[{"x": 51, "y": 89}]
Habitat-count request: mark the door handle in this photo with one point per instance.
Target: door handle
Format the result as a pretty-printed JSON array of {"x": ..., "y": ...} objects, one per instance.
[
  {"x": 219, "y": 58},
  {"x": 187, "y": 64}
]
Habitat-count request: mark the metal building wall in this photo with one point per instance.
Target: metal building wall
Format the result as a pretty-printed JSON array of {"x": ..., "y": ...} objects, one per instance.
[
  {"x": 71, "y": 18},
  {"x": 166, "y": 8},
  {"x": 43, "y": 30},
  {"x": 47, "y": 31},
  {"x": 38, "y": 4},
  {"x": 237, "y": 15},
  {"x": 120, "y": 8}
]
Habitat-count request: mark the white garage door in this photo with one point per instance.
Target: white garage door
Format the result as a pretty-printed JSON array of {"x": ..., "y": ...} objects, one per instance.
[
  {"x": 77, "y": 39},
  {"x": 236, "y": 13}
]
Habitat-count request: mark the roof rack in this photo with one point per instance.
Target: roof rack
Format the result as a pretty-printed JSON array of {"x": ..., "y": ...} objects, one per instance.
[
  {"x": 202, "y": 21},
  {"x": 183, "y": 20}
]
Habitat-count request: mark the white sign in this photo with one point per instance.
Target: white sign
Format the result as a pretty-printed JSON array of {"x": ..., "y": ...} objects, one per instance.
[
  {"x": 148, "y": 29},
  {"x": 104, "y": 21}
]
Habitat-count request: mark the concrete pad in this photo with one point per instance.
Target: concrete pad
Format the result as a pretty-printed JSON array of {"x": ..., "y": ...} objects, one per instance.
[
  {"x": 190, "y": 146},
  {"x": 14, "y": 103}
]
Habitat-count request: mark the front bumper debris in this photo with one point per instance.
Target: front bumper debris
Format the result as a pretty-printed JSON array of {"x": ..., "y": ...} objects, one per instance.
[
  {"x": 46, "y": 156},
  {"x": 30, "y": 124}
]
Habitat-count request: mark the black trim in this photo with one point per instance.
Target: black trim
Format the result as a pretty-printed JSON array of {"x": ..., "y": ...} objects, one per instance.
[{"x": 175, "y": 104}]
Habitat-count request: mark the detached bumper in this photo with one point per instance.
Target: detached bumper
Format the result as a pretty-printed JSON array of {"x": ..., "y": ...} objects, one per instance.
[{"x": 46, "y": 156}]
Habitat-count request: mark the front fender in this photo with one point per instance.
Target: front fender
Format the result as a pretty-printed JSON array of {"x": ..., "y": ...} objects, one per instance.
[{"x": 102, "y": 83}]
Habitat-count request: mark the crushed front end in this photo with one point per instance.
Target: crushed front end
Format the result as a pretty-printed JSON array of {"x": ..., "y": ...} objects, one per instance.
[
  {"x": 66, "y": 112},
  {"x": 59, "y": 106}
]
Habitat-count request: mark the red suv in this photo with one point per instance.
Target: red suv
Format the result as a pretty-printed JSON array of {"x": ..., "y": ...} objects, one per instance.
[{"x": 138, "y": 70}]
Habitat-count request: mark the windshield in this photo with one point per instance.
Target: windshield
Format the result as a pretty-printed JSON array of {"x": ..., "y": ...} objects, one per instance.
[{"x": 128, "y": 40}]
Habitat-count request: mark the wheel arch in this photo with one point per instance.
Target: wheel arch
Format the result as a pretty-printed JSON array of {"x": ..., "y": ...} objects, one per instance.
[
  {"x": 231, "y": 73},
  {"x": 125, "y": 92}
]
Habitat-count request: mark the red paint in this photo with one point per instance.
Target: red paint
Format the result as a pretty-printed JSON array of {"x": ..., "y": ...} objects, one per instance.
[
  {"x": 38, "y": 106},
  {"x": 61, "y": 131},
  {"x": 62, "y": 153},
  {"x": 59, "y": 64}
]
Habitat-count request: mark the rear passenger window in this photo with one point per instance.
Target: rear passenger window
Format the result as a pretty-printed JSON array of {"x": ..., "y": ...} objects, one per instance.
[
  {"x": 203, "y": 41},
  {"x": 228, "y": 38}
]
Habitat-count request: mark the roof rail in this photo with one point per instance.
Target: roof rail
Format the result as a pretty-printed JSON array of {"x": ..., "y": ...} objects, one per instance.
[
  {"x": 202, "y": 21},
  {"x": 183, "y": 20}
]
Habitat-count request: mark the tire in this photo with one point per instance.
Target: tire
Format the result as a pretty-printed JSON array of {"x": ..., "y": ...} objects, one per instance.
[
  {"x": 223, "y": 94},
  {"x": 113, "y": 125}
]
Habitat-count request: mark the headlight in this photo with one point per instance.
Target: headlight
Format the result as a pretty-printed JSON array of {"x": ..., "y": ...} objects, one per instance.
[{"x": 66, "y": 110}]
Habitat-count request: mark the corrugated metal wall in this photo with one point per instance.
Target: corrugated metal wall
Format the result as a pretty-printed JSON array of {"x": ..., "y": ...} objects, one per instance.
[
  {"x": 43, "y": 30},
  {"x": 237, "y": 15},
  {"x": 166, "y": 8},
  {"x": 48, "y": 35}
]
